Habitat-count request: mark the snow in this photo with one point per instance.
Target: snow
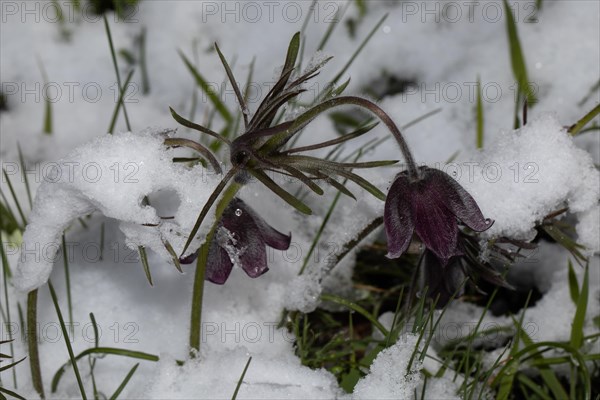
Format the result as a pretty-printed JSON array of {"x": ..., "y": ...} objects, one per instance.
[
  {"x": 389, "y": 377},
  {"x": 112, "y": 174},
  {"x": 539, "y": 170},
  {"x": 439, "y": 56}
]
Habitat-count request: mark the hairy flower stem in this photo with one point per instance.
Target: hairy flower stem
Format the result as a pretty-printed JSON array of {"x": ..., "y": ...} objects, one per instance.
[
  {"x": 311, "y": 114},
  {"x": 198, "y": 291},
  {"x": 32, "y": 342}
]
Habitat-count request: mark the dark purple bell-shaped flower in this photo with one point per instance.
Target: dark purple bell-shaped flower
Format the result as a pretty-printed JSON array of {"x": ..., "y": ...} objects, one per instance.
[
  {"x": 430, "y": 205},
  {"x": 441, "y": 282},
  {"x": 241, "y": 237}
]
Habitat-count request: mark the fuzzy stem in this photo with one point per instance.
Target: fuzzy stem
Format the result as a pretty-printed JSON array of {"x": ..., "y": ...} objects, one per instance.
[
  {"x": 198, "y": 291},
  {"x": 312, "y": 113},
  {"x": 32, "y": 342},
  {"x": 385, "y": 118}
]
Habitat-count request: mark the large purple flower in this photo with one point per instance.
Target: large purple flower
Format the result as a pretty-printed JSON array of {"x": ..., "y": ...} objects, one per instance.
[
  {"x": 241, "y": 238},
  {"x": 430, "y": 205}
]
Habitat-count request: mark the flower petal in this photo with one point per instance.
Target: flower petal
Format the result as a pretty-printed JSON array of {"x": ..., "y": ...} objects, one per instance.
[
  {"x": 434, "y": 222},
  {"x": 219, "y": 264},
  {"x": 460, "y": 202},
  {"x": 397, "y": 217},
  {"x": 442, "y": 282},
  {"x": 249, "y": 244},
  {"x": 273, "y": 237}
]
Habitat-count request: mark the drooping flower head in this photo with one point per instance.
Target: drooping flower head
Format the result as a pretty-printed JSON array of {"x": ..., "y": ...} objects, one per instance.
[
  {"x": 265, "y": 144},
  {"x": 430, "y": 204},
  {"x": 241, "y": 238}
]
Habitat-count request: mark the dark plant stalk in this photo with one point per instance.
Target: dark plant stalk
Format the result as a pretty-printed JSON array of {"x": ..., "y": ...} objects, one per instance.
[
  {"x": 32, "y": 342},
  {"x": 198, "y": 291},
  {"x": 311, "y": 114}
]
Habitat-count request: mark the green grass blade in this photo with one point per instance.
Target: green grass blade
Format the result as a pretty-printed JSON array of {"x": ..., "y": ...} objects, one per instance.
[
  {"x": 139, "y": 355},
  {"x": 239, "y": 384},
  {"x": 143, "y": 63},
  {"x": 479, "y": 112},
  {"x": 573, "y": 285},
  {"x": 24, "y": 175},
  {"x": 517, "y": 58},
  {"x": 320, "y": 232},
  {"x": 14, "y": 196},
  {"x": 579, "y": 125},
  {"x": 116, "y": 67},
  {"x": 213, "y": 96},
  {"x": 47, "y": 125},
  {"x": 336, "y": 20},
  {"x": 144, "y": 260},
  {"x": 236, "y": 88},
  {"x": 284, "y": 195},
  {"x": 67, "y": 341},
  {"x": 355, "y": 307},
  {"x": 10, "y": 393},
  {"x": 292, "y": 53},
  {"x": 125, "y": 382},
  {"x": 113, "y": 120},
  {"x": 579, "y": 318},
  {"x": 67, "y": 280},
  {"x": 358, "y": 51}
]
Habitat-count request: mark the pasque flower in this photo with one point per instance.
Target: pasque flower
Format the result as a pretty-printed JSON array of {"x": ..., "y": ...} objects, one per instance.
[
  {"x": 430, "y": 203},
  {"x": 241, "y": 238},
  {"x": 440, "y": 282}
]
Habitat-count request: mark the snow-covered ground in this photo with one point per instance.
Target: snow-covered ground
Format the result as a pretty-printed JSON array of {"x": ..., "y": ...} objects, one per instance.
[{"x": 443, "y": 47}]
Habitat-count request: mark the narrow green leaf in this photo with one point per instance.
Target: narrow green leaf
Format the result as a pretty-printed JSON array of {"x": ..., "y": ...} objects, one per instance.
[
  {"x": 67, "y": 341},
  {"x": 14, "y": 196},
  {"x": 173, "y": 255},
  {"x": 24, "y": 175},
  {"x": 285, "y": 196},
  {"x": 104, "y": 351},
  {"x": 239, "y": 384},
  {"x": 143, "y": 63},
  {"x": 355, "y": 307},
  {"x": 235, "y": 86},
  {"x": 573, "y": 285},
  {"x": 10, "y": 393},
  {"x": 516, "y": 56},
  {"x": 116, "y": 67},
  {"x": 144, "y": 260},
  {"x": 339, "y": 14},
  {"x": 47, "y": 126},
  {"x": 125, "y": 382},
  {"x": 191, "y": 125},
  {"x": 358, "y": 50},
  {"x": 579, "y": 125},
  {"x": 292, "y": 53},
  {"x": 212, "y": 198},
  {"x": 315, "y": 241},
  {"x": 67, "y": 279},
  {"x": 120, "y": 104},
  {"x": 479, "y": 112},
  {"x": 213, "y": 96},
  {"x": 579, "y": 318}
]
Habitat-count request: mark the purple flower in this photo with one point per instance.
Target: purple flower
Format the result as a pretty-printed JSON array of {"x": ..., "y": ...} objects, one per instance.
[
  {"x": 430, "y": 205},
  {"x": 240, "y": 238},
  {"x": 440, "y": 282}
]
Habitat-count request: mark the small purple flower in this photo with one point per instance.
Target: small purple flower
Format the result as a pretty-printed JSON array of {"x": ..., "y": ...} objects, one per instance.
[
  {"x": 429, "y": 205},
  {"x": 240, "y": 238},
  {"x": 440, "y": 282}
]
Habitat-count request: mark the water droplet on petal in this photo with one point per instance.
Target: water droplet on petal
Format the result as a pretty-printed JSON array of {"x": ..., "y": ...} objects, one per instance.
[
  {"x": 238, "y": 212},
  {"x": 488, "y": 221}
]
